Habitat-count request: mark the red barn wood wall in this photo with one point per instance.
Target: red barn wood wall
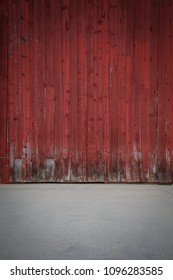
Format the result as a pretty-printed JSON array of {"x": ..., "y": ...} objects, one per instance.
[{"x": 86, "y": 90}]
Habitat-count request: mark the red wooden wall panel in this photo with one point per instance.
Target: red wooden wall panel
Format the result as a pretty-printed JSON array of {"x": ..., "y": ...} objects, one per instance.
[
  {"x": 4, "y": 168},
  {"x": 86, "y": 90}
]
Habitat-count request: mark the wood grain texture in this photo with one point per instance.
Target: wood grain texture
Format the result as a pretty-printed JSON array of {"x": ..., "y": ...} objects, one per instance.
[
  {"x": 86, "y": 91},
  {"x": 4, "y": 167}
]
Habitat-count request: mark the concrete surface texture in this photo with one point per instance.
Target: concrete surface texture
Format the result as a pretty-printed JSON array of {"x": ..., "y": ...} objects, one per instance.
[{"x": 86, "y": 221}]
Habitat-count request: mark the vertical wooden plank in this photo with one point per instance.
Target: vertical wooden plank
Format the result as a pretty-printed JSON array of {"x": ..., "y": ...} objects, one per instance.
[
  {"x": 41, "y": 85},
  {"x": 169, "y": 107},
  {"x": 107, "y": 125},
  {"x": 114, "y": 89},
  {"x": 98, "y": 88},
  {"x": 145, "y": 64},
  {"x": 14, "y": 85},
  {"x": 28, "y": 150},
  {"x": 106, "y": 92},
  {"x": 161, "y": 93},
  {"x": 58, "y": 90},
  {"x": 50, "y": 89},
  {"x": 10, "y": 91},
  {"x": 121, "y": 92},
  {"x": 89, "y": 88},
  {"x": 25, "y": 91},
  {"x": 107, "y": 99},
  {"x": 82, "y": 88},
  {"x": 137, "y": 157},
  {"x": 33, "y": 89},
  {"x": 97, "y": 91},
  {"x": 129, "y": 87},
  {"x": 153, "y": 99},
  {"x": 74, "y": 123},
  {"x": 104, "y": 77},
  {"x": 4, "y": 174},
  {"x": 66, "y": 88},
  {"x": 16, "y": 41},
  {"x": 48, "y": 161}
]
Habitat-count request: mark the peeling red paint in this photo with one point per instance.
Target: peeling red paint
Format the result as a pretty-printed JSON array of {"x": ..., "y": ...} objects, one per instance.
[{"x": 86, "y": 90}]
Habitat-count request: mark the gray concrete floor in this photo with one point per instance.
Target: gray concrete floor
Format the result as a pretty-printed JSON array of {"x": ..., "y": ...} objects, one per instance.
[{"x": 86, "y": 221}]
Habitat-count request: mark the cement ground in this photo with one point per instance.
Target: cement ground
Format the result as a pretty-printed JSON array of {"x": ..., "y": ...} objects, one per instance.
[{"x": 86, "y": 221}]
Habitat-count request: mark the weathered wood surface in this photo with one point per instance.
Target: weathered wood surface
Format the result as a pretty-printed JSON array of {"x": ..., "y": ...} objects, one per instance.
[{"x": 86, "y": 90}]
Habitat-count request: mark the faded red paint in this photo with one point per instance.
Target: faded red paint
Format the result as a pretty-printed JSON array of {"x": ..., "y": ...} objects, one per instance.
[{"x": 86, "y": 90}]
